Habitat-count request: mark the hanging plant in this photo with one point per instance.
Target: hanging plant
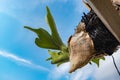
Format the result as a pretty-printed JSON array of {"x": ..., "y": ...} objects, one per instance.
[{"x": 89, "y": 44}]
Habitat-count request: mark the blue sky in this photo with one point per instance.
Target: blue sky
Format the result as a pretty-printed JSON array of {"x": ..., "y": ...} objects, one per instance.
[{"x": 21, "y": 59}]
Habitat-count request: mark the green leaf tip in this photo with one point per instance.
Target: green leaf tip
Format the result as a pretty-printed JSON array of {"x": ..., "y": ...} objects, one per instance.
[
  {"x": 97, "y": 60},
  {"x": 52, "y": 25},
  {"x": 29, "y": 28},
  {"x": 47, "y": 9}
]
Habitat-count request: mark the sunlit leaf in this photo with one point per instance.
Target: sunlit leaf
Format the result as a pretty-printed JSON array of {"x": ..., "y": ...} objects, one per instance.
[
  {"x": 58, "y": 57},
  {"x": 44, "y": 39},
  {"x": 52, "y": 26}
]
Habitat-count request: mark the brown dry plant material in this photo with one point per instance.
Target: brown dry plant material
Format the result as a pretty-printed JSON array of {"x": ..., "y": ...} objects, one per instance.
[
  {"x": 81, "y": 48},
  {"x": 81, "y": 45}
]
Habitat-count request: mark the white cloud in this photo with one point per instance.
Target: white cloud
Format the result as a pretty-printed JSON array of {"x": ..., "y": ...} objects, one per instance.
[
  {"x": 11, "y": 56},
  {"x": 77, "y": 75},
  {"x": 107, "y": 70},
  {"x": 83, "y": 73},
  {"x": 22, "y": 61},
  {"x": 62, "y": 72},
  {"x": 59, "y": 72}
]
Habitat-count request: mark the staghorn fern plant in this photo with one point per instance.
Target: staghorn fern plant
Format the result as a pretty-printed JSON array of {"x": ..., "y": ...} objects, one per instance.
[
  {"x": 59, "y": 52},
  {"x": 56, "y": 48}
]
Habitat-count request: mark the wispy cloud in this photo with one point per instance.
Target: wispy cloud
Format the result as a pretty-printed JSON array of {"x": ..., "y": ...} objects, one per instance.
[
  {"x": 62, "y": 72},
  {"x": 11, "y": 56},
  {"x": 23, "y": 10},
  {"x": 83, "y": 73},
  {"x": 22, "y": 61}
]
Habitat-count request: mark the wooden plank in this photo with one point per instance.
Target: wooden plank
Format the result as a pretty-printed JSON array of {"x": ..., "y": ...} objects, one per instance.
[{"x": 108, "y": 15}]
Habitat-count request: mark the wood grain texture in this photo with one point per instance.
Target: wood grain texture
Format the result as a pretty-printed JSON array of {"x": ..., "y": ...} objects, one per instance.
[{"x": 108, "y": 15}]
